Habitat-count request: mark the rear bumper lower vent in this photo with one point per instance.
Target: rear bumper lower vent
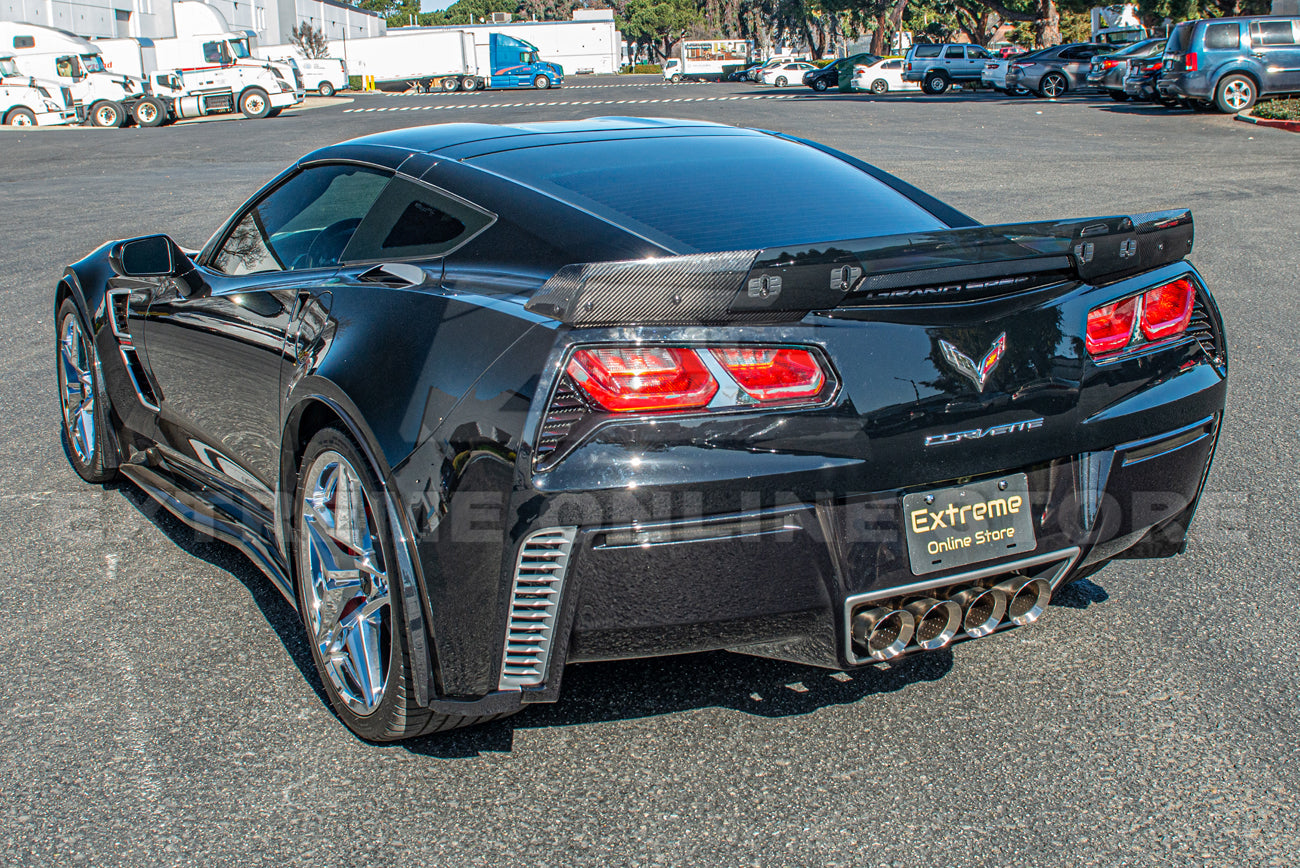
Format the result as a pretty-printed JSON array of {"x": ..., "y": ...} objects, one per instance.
[
  {"x": 534, "y": 607},
  {"x": 1202, "y": 329}
]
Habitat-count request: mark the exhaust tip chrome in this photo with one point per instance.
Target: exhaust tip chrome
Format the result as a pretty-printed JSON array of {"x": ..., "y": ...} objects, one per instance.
[
  {"x": 883, "y": 632},
  {"x": 1027, "y": 598},
  {"x": 983, "y": 610},
  {"x": 937, "y": 622}
]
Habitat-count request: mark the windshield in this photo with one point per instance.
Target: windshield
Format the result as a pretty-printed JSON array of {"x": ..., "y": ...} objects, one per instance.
[
  {"x": 7, "y": 66},
  {"x": 93, "y": 63},
  {"x": 239, "y": 48}
]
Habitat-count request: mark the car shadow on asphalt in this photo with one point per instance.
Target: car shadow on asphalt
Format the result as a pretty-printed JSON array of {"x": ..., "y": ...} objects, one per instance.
[{"x": 595, "y": 693}]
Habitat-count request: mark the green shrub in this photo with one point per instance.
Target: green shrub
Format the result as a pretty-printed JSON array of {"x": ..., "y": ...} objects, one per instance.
[
  {"x": 1278, "y": 110},
  {"x": 643, "y": 69},
  {"x": 354, "y": 82}
]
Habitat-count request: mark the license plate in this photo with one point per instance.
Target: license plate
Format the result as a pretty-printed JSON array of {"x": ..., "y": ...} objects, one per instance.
[{"x": 979, "y": 521}]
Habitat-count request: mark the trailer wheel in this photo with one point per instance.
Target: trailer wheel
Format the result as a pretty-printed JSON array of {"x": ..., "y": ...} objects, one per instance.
[
  {"x": 150, "y": 112},
  {"x": 20, "y": 117},
  {"x": 254, "y": 103},
  {"x": 107, "y": 113},
  {"x": 541, "y": 82},
  {"x": 325, "y": 89},
  {"x": 450, "y": 84}
]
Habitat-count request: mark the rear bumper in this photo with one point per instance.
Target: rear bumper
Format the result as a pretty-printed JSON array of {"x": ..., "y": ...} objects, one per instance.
[{"x": 781, "y": 581}]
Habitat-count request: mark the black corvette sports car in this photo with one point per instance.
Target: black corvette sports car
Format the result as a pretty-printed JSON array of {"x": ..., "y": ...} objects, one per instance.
[{"x": 483, "y": 400}]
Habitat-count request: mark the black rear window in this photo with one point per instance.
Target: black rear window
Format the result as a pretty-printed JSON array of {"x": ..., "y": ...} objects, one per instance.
[
  {"x": 1179, "y": 38},
  {"x": 926, "y": 51},
  {"x": 711, "y": 193}
]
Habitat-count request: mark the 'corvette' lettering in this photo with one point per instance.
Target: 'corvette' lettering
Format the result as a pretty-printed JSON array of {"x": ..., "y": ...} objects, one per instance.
[{"x": 980, "y": 433}]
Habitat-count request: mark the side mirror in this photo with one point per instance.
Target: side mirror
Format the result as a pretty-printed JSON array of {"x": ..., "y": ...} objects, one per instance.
[{"x": 151, "y": 256}]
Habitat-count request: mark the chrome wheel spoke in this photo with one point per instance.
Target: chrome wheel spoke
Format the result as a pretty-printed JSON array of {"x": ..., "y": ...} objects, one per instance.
[
  {"x": 77, "y": 389},
  {"x": 350, "y": 611}
]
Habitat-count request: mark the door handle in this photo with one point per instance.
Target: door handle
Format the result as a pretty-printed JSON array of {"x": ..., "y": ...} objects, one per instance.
[{"x": 395, "y": 274}]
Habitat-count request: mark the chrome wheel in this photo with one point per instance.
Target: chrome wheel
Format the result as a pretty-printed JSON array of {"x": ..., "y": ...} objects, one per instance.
[
  {"x": 77, "y": 388},
  {"x": 1053, "y": 86},
  {"x": 347, "y": 595}
]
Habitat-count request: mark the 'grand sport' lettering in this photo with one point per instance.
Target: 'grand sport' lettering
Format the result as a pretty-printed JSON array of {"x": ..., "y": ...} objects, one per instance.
[
  {"x": 978, "y": 433},
  {"x": 925, "y": 521}
]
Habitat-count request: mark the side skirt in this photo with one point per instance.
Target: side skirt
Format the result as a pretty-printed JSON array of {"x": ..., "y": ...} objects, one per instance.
[{"x": 217, "y": 511}]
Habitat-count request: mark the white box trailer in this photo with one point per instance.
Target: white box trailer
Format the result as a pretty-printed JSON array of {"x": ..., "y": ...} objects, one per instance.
[{"x": 419, "y": 60}]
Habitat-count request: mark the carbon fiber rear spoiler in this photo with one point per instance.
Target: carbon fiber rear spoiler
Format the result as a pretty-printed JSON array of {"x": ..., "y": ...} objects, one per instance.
[{"x": 942, "y": 266}]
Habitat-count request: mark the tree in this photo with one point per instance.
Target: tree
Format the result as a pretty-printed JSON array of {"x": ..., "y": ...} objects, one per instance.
[
  {"x": 310, "y": 41},
  {"x": 659, "y": 24}
]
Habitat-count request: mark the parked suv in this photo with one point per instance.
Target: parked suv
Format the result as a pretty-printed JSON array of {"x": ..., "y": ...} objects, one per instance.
[
  {"x": 1232, "y": 61},
  {"x": 936, "y": 66}
]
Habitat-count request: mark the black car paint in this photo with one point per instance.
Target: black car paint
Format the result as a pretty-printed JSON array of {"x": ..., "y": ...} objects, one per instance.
[{"x": 444, "y": 385}]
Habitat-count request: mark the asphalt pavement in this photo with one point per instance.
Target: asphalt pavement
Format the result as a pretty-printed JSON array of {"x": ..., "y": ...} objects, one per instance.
[{"x": 160, "y": 706}]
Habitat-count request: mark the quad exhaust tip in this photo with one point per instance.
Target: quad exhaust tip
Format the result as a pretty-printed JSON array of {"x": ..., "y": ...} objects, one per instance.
[
  {"x": 883, "y": 632},
  {"x": 923, "y": 623}
]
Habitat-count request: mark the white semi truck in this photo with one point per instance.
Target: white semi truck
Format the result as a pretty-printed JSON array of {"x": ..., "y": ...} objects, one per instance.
[
  {"x": 442, "y": 58},
  {"x": 203, "y": 40},
  {"x": 191, "y": 93},
  {"x": 25, "y": 101},
  {"x": 75, "y": 63}
]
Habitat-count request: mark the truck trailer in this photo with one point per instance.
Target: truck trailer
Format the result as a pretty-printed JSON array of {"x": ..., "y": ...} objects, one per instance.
[{"x": 708, "y": 59}]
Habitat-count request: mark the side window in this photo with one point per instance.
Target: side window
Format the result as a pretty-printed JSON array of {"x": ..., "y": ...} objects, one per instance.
[
  {"x": 953, "y": 52},
  {"x": 1272, "y": 33},
  {"x": 926, "y": 51},
  {"x": 212, "y": 52},
  {"x": 411, "y": 220},
  {"x": 306, "y": 222},
  {"x": 64, "y": 68},
  {"x": 977, "y": 53},
  {"x": 1220, "y": 37},
  {"x": 892, "y": 64},
  {"x": 24, "y": 42}
]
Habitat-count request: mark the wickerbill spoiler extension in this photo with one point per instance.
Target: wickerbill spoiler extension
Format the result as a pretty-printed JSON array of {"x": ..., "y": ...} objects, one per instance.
[{"x": 785, "y": 283}]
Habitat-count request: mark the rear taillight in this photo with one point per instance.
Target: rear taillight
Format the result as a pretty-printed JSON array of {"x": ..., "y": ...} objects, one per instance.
[
  {"x": 1109, "y": 64},
  {"x": 771, "y": 374},
  {"x": 1166, "y": 310},
  {"x": 654, "y": 379},
  {"x": 1110, "y": 327},
  {"x": 1159, "y": 313},
  {"x": 1189, "y": 61},
  {"x": 643, "y": 379}
]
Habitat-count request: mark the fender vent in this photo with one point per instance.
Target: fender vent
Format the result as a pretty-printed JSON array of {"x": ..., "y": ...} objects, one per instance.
[
  {"x": 118, "y": 302},
  {"x": 534, "y": 606},
  {"x": 143, "y": 388},
  {"x": 1202, "y": 329}
]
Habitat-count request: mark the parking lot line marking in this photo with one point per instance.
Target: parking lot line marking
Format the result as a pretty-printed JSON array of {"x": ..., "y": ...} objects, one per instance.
[{"x": 488, "y": 105}]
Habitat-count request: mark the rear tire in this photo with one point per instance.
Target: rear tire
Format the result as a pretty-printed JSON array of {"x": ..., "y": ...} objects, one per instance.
[
  {"x": 107, "y": 113},
  {"x": 1235, "y": 93},
  {"x": 819, "y": 85},
  {"x": 1052, "y": 85},
  {"x": 350, "y": 595},
  {"x": 20, "y": 117},
  {"x": 879, "y": 86},
  {"x": 254, "y": 103},
  {"x": 780, "y": 81},
  {"x": 150, "y": 112},
  {"x": 325, "y": 89},
  {"x": 935, "y": 84}
]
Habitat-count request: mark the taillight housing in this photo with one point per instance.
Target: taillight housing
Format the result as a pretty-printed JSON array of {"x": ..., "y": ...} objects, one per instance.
[
  {"x": 643, "y": 379},
  {"x": 1189, "y": 61},
  {"x": 1157, "y": 314},
  {"x": 1109, "y": 64},
  {"x": 773, "y": 375}
]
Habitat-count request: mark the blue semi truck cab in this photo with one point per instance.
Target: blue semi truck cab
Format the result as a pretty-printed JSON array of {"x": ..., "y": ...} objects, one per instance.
[{"x": 516, "y": 63}]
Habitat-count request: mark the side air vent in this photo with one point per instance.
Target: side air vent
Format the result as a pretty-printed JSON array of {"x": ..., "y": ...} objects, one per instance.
[
  {"x": 117, "y": 311},
  {"x": 143, "y": 388},
  {"x": 565, "y": 409},
  {"x": 1202, "y": 329},
  {"x": 534, "y": 606}
]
